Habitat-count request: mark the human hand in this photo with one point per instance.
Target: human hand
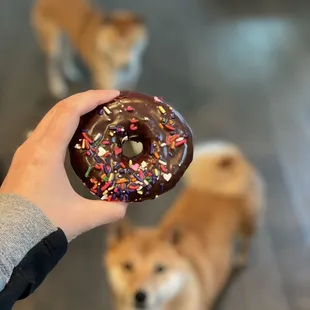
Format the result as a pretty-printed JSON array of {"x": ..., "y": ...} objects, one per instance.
[{"x": 37, "y": 172}]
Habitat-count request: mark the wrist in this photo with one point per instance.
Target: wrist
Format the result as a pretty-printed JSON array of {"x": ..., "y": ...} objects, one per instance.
[{"x": 23, "y": 225}]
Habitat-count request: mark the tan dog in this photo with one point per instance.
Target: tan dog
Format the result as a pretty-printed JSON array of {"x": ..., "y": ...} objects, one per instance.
[
  {"x": 111, "y": 44},
  {"x": 184, "y": 263}
]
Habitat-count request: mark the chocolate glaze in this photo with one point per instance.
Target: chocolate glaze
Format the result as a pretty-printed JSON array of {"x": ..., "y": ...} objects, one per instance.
[{"x": 96, "y": 148}]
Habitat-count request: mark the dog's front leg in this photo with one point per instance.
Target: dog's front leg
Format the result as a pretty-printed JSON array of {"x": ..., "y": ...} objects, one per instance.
[
  {"x": 245, "y": 235},
  {"x": 56, "y": 82},
  {"x": 103, "y": 76},
  {"x": 70, "y": 68}
]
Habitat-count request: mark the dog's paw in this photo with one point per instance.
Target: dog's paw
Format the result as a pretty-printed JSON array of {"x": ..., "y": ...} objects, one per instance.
[
  {"x": 240, "y": 261},
  {"x": 72, "y": 73},
  {"x": 58, "y": 89}
]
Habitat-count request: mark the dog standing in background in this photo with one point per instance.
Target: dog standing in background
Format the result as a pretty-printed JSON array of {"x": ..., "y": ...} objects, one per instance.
[
  {"x": 185, "y": 262},
  {"x": 111, "y": 45}
]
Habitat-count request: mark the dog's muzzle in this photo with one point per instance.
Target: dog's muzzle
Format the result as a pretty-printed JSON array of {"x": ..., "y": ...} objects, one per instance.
[{"x": 140, "y": 299}]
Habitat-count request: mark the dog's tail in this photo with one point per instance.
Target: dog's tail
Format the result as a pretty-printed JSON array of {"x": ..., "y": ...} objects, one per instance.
[{"x": 222, "y": 168}]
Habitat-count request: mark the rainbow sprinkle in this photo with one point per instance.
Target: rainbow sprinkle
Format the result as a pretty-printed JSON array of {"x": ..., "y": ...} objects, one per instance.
[
  {"x": 161, "y": 109},
  {"x": 88, "y": 172},
  {"x": 157, "y": 99},
  {"x": 107, "y": 111}
]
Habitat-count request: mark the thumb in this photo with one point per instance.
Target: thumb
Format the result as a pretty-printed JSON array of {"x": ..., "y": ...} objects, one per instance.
[{"x": 96, "y": 213}]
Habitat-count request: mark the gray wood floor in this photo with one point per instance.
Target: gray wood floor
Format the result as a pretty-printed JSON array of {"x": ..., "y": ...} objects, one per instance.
[{"x": 238, "y": 70}]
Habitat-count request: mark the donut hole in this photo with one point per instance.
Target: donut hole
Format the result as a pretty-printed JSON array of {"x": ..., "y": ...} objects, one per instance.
[{"x": 132, "y": 148}]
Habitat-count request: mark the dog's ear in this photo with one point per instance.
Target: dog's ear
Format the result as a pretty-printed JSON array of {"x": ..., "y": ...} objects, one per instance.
[
  {"x": 139, "y": 19},
  {"x": 171, "y": 235},
  {"x": 107, "y": 19},
  {"x": 119, "y": 230},
  {"x": 226, "y": 162}
]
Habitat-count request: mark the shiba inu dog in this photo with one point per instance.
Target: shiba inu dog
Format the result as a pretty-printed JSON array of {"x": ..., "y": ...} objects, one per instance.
[
  {"x": 111, "y": 44},
  {"x": 184, "y": 262}
]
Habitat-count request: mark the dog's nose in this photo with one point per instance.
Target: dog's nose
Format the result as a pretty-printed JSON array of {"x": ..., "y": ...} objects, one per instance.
[{"x": 140, "y": 297}]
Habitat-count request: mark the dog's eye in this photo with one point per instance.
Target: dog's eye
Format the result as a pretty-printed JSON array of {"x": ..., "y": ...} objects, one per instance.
[
  {"x": 160, "y": 268},
  {"x": 128, "y": 266}
]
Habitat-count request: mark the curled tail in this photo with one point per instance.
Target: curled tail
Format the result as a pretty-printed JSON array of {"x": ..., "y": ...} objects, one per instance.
[{"x": 221, "y": 167}]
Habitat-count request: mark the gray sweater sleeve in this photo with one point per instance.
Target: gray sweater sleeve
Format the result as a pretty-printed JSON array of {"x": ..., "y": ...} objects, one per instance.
[{"x": 22, "y": 226}]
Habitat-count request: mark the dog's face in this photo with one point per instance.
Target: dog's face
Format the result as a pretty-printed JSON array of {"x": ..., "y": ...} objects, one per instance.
[
  {"x": 122, "y": 37},
  {"x": 144, "y": 269}
]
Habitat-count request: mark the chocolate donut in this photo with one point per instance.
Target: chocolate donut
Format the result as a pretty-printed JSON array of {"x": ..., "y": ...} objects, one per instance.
[{"x": 96, "y": 149}]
